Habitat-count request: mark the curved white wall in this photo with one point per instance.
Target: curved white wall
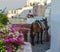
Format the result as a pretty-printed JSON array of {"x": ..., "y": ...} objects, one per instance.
[{"x": 55, "y": 26}]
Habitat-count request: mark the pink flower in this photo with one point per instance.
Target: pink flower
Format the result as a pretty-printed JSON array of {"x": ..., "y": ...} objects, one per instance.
[
  {"x": 9, "y": 49},
  {"x": 11, "y": 36},
  {"x": 6, "y": 40},
  {"x": 4, "y": 34},
  {"x": 21, "y": 36},
  {"x": 19, "y": 41},
  {"x": 11, "y": 30},
  {"x": 11, "y": 40},
  {"x": 14, "y": 27}
]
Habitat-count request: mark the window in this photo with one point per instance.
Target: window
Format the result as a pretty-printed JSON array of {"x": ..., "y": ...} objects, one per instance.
[
  {"x": 29, "y": 11},
  {"x": 31, "y": 4},
  {"x": 10, "y": 11},
  {"x": 14, "y": 12}
]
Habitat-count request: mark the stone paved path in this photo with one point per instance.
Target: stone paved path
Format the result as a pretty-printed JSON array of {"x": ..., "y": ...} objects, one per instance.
[{"x": 41, "y": 47}]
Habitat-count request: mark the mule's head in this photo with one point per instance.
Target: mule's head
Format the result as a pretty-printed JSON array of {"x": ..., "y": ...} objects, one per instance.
[{"x": 45, "y": 21}]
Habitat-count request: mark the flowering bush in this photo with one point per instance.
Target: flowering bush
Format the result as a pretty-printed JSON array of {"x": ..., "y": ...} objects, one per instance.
[
  {"x": 2, "y": 48},
  {"x": 3, "y": 19},
  {"x": 10, "y": 39}
]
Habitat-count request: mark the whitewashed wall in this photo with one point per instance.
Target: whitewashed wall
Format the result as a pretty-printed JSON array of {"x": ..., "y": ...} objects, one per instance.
[{"x": 55, "y": 27}]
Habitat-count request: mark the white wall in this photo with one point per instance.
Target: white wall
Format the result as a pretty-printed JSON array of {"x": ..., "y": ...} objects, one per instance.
[
  {"x": 23, "y": 21},
  {"x": 17, "y": 21},
  {"x": 32, "y": 1},
  {"x": 55, "y": 26}
]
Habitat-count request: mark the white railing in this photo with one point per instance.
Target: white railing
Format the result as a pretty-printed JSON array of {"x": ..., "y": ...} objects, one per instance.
[{"x": 17, "y": 20}]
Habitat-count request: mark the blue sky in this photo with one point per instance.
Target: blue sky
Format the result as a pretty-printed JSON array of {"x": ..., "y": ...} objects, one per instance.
[{"x": 12, "y": 4}]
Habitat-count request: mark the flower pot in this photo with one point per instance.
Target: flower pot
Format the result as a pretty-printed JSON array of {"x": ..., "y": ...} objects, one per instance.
[{"x": 19, "y": 50}]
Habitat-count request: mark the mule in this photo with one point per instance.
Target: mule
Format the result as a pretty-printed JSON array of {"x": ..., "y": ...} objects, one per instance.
[
  {"x": 36, "y": 29},
  {"x": 46, "y": 28}
]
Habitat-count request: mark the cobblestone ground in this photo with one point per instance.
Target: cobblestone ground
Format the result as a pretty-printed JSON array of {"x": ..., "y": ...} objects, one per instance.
[{"x": 41, "y": 47}]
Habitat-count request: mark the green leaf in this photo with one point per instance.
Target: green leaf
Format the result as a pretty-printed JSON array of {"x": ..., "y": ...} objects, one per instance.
[{"x": 3, "y": 19}]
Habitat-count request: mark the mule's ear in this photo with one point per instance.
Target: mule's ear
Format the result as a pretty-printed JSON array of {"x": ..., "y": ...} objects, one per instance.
[
  {"x": 42, "y": 18},
  {"x": 45, "y": 18}
]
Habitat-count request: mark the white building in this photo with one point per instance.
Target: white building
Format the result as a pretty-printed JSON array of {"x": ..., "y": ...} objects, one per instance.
[
  {"x": 20, "y": 12},
  {"x": 39, "y": 10},
  {"x": 31, "y": 2}
]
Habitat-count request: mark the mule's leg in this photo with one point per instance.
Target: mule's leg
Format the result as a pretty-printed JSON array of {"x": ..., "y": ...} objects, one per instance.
[
  {"x": 46, "y": 35},
  {"x": 37, "y": 37},
  {"x": 32, "y": 39},
  {"x": 41, "y": 37}
]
